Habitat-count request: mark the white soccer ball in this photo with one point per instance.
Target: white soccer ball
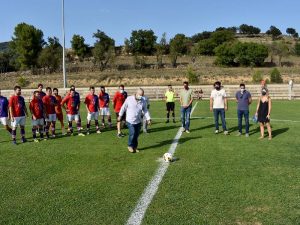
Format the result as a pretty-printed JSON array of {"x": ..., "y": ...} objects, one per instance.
[{"x": 168, "y": 157}]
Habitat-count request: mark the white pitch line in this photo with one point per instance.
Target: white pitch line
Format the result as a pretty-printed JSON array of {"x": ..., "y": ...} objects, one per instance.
[
  {"x": 228, "y": 118},
  {"x": 138, "y": 213}
]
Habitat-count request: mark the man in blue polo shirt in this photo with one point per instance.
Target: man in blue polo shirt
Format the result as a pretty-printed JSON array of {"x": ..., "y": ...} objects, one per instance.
[
  {"x": 4, "y": 112},
  {"x": 243, "y": 99}
]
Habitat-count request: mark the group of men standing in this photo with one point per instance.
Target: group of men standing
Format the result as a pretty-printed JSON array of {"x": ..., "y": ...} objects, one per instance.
[{"x": 47, "y": 108}]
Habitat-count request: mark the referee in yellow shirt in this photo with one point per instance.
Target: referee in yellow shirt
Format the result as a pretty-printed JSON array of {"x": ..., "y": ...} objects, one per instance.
[{"x": 170, "y": 103}]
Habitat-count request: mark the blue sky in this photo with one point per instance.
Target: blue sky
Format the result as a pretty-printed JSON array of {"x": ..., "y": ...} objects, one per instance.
[{"x": 119, "y": 18}]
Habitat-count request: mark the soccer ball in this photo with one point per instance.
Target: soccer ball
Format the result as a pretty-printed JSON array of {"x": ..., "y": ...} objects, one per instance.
[{"x": 168, "y": 157}]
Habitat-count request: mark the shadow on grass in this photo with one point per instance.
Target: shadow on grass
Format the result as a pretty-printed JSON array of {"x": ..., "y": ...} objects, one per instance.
[
  {"x": 168, "y": 142},
  {"x": 203, "y": 128},
  {"x": 279, "y": 131}
]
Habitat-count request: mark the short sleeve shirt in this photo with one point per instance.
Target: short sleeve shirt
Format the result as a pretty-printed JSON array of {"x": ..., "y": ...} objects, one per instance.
[
  {"x": 243, "y": 100},
  {"x": 218, "y": 98},
  {"x": 17, "y": 103},
  {"x": 186, "y": 96},
  {"x": 170, "y": 95},
  {"x": 3, "y": 107}
]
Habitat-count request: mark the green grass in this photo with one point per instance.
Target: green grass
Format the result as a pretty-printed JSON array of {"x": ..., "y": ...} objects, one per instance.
[{"x": 217, "y": 179}]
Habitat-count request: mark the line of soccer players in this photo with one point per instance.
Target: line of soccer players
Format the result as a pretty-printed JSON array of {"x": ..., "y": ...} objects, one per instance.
[{"x": 47, "y": 108}]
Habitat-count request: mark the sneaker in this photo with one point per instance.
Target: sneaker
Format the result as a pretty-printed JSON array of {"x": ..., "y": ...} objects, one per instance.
[
  {"x": 14, "y": 142},
  {"x": 81, "y": 134},
  {"x": 130, "y": 149},
  {"x": 182, "y": 129},
  {"x": 103, "y": 125},
  {"x": 98, "y": 132},
  {"x": 121, "y": 135},
  {"x": 246, "y": 135},
  {"x": 45, "y": 139},
  {"x": 270, "y": 138},
  {"x": 87, "y": 133},
  {"x": 216, "y": 131},
  {"x": 239, "y": 134},
  {"x": 36, "y": 140},
  {"x": 136, "y": 150},
  {"x": 261, "y": 137},
  {"x": 187, "y": 131},
  {"x": 53, "y": 136},
  {"x": 24, "y": 140},
  {"x": 226, "y": 132}
]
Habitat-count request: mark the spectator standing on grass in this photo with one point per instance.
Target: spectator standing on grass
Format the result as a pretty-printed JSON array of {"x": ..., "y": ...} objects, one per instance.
[
  {"x": 170, "y": 103},
  {"x": 186, "y": 100},
  {"x": 218, "y": 105},
  {"x": 263, "y": 112},
  {"x": 145, "y": 122},
  {"x": 290, "y": 89},
  {"x": 134, "y": 107},
  {"x": 243, "y": 99}
]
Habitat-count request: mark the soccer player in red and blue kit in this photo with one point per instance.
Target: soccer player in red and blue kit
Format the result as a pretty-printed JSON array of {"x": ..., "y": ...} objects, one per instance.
[
  {"x": 104, "y": 106},
  {"x": 4, "y": 112},
  {"x": 37, "y": 110},
  {"x": 18, "y": 113},
  {"x": 50, "y": 102},
  {"x": 72, "y": 108},
  {"x": 77, "y": 96},
  {"x": 92, "y": 107}
]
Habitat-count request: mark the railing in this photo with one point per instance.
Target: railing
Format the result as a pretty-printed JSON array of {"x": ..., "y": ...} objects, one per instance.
[{"x": 276, "y": 91}]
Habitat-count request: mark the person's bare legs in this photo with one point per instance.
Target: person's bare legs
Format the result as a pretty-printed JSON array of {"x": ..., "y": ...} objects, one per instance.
[
  {"x": 262, "y": 130},
  {"x": 269, "y": 130}
]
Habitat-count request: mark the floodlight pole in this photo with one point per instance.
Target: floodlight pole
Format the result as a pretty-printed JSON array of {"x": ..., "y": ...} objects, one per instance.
[{"x": 64, "y": 42}]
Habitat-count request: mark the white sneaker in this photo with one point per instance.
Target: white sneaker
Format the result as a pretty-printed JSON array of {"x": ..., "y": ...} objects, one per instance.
[
  {"x": 98, "y": 132},
  {"x": 238, "y": 134},
  {"x": 216, "y": 131},
  {"x": 81, "y": 134},
  {"x": 226, "y": 132},
  {"x": 247, "y": 135},
  {"x": 187, "y": 131},
  {"x": 182, "y": 129}
]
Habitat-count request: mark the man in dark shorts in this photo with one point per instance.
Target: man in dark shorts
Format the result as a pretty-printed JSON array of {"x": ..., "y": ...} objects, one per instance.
[{"x": 170, "y": 103}]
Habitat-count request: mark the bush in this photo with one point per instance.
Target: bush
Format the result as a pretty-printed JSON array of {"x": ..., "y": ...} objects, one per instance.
[
  {"x": 22, "y": 81},
  {"x": 205, "y": 47},
  {"x": 192, "y": 76},
  {"x": 257, "y": 77},
  {"x": 241, "y": 54},
  {"x": 276, "y": 76}
]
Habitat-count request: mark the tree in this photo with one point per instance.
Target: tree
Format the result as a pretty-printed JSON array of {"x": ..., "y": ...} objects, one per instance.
[
  {"x": 142, "y": 42},
  {"x": 290, "y": 31},
  {"x": 274, "y": 32},
  {"x": 5, "y": 62},
  {"x": 205, "y": 47},
  {"x": 248, "y": 29},
  {"x": 78, "y": 46},
  {"x": 26, "y": 44},
  {"x": 51, "y": 56},
  {"x": 178, "y": 46},
  {"x": 219, "y": 37},
  {"x": 161, "y": 49},
  {"x": 201, "y": 36},
  {"x": 232, "y": 29},
  {"x": 241, "y": 54},
  {"x": 279, "y": 49},
  {"x": 104, "y": 50}
]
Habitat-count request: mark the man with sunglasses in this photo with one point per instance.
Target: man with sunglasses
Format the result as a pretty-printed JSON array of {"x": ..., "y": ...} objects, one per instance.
[{"x": 243, "y": 99}]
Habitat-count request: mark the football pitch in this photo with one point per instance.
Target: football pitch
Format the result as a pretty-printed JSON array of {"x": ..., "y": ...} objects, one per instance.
[{"x": 216, "y": 179}]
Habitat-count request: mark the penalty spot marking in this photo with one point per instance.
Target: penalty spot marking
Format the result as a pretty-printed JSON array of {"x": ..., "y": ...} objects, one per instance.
[{"x": 138, "y": 213}]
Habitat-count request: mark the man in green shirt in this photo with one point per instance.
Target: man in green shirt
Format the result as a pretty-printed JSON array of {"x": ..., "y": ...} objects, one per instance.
[
  {"x": 170, "y": 103},
  {"x": 186, "y": 100}
]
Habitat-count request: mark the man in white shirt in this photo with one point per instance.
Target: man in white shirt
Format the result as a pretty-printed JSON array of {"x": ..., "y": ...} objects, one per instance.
[
  {"x": 134, "y": 107},
  {"x": 218, "y": 104}
]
